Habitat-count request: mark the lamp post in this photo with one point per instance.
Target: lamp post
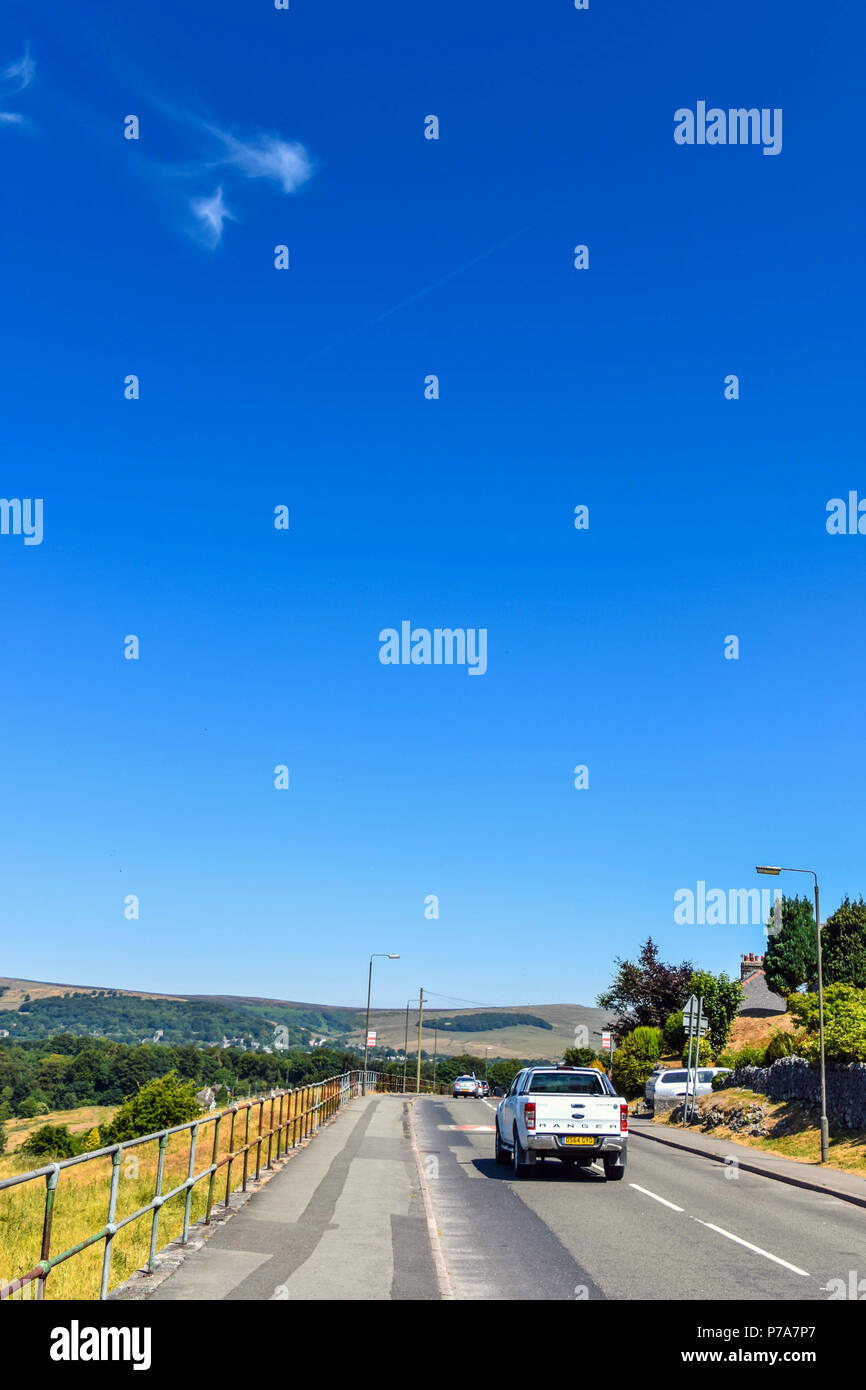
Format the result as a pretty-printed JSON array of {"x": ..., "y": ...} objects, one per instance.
[
  {"x": 825, "y": 1128},
  {"x": 388, "y": 956}
]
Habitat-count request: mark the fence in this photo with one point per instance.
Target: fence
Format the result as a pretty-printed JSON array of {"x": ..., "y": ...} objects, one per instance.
[{"x": 292, "y": 1116}]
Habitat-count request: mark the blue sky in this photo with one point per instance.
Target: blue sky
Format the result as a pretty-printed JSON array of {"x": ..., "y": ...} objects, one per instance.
[{"x": 557, "y": 387}]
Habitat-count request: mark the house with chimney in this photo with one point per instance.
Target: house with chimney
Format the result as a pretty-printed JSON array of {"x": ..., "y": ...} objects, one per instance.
[{"x": 759, "y": 1001}]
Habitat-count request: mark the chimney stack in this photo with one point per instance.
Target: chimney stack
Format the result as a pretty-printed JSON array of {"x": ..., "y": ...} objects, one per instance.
[{"x": 750, "y": 963}]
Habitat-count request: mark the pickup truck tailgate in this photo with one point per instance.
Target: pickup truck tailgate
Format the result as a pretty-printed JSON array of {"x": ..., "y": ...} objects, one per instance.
[{"x": 577, "y": 1115}]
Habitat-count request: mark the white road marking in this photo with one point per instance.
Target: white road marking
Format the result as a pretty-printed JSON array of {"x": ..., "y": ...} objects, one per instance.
[
  {"x": 720, "y": 1230},
  {"x": 664, "y": 1201}
]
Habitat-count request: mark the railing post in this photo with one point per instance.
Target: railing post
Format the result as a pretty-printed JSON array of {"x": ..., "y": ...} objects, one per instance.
[
  {"x": 51, "y": 1180},
  {"x": 110, "y": 1226},
  {"x": 246, "y": 1147},
  {"x": 269, "y": 1164},
  {"x": 280, "y": 1125},
  {"x": 231, "y": 1158},
  {"x": 213, "y": 1158},
  {"x": 160, "y": 1169},
  {"x": 259, "y": 1143},
  {"x": 188, "y": 1203}
]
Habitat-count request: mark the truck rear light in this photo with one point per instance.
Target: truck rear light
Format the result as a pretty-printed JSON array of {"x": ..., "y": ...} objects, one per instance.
[
  {"x": 623, "y": 1119},
  {"x": 529, "y": 1114}
]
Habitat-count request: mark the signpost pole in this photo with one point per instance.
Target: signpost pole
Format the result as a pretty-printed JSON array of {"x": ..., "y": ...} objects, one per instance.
[{"x": 689, "y": 1013}]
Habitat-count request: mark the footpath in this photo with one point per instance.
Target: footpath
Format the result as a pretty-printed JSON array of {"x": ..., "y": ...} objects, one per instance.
[{"x": 343, "y": 1219}]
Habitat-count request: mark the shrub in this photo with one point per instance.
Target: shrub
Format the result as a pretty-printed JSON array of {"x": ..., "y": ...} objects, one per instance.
[
  {"x": 2, "y": 1137},
  {"x": 635, "y": 1058},
  {"x": 746, "y": 1056},
  {"x": 844, "y": 1022},
  {"x": 675, "y": 1033},
  {"x": 704, "y": 1057},
  {"x": 92, "y": 1141},
  {"x": 783, "y": 1045},
  {"x": 50, "y": 1141},
  {"x": 159, "y": 1104}
]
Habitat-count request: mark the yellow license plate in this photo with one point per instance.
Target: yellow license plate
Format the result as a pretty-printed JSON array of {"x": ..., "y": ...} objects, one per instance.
[{"x": 578, "y": 1139}]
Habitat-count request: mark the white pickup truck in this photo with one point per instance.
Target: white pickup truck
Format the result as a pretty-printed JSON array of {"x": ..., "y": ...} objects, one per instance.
[{"x": 570, "y": 1113}]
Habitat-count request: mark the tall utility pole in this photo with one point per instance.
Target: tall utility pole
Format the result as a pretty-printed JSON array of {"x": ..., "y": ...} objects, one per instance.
[
  {"x": 435, "y": 1054},
  {"x": 420, "y": 1016},
  {"x": 406, "y": 1043}
]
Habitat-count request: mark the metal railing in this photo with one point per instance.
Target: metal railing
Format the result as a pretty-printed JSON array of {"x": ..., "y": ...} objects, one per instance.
[
  {"x": 391, "y": 1084},
  {"x": 292, "y": 1117}
]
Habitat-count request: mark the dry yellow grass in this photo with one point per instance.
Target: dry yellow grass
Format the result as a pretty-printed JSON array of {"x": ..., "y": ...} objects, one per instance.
[
  {"x": 758, "y": 1031},
  {"x": 81, "y": 1207},
  {"x": 78, "y": 1121}
]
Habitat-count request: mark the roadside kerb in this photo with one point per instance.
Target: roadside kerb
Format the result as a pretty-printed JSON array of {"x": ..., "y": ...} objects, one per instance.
[{"x": 794, "y": 1179}]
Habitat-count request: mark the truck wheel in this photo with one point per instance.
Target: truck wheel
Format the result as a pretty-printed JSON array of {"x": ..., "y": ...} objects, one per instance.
[
  {"x": 613, "y": 1171},
  {"x": 502, "y": 1155},
  {"x": 518, "y": 1158}
]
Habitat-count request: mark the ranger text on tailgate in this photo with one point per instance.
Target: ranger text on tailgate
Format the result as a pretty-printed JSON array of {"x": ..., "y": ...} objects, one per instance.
[{"x": 570, "y": 1113}]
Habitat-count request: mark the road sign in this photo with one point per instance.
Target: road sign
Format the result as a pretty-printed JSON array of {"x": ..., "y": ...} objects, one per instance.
[
  {"x": 605, "y": 1041},
  {"x": 371, "y": 1039}
]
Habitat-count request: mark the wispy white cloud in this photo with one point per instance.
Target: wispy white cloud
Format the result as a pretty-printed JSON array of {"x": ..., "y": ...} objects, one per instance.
[
  {"x": 13, "y": 80},
  {"x": 216, "y": 153},
  {"x": 19, "y": 75},
  {"x": 286, "y": 162},
  {"x": 210, "y": 214}
]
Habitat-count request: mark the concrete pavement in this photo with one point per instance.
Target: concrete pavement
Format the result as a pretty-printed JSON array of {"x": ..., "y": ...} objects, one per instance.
[{"x": 344, "y": 1220}]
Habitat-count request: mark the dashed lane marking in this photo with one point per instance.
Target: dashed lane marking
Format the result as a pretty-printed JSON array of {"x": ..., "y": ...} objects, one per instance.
[{"x": 656, "y": 1198}]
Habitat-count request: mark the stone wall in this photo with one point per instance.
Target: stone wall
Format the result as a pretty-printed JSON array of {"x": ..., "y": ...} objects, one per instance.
[{"x": 792, "y": 1078}]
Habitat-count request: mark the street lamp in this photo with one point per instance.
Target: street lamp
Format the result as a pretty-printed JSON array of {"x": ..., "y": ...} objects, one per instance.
[
  {"x": 388, "y": 956},
  {"x": 825, "y": 1128}
]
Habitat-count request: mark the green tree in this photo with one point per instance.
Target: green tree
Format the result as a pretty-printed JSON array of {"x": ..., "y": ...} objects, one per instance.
[
  {"x": 92, "y": 1141},
  {"x": 646, "y": 991},
  {"x": 843, "y": 945},
  {"x": 722, "y": 998},
  {"x": 579, "y": 1057},
  {"x": 50, "y": 1141},
  {"x": 161, "y": 1103},
  {"x": 31, "y": 1107},
  {"x": 635, "y": 1058},
  {"x": 791, "y": 958},
  {"x": 844, "y": 1022},
  {"x": 503, "y": 1071},
  {"x": 2, "y": 1137}
]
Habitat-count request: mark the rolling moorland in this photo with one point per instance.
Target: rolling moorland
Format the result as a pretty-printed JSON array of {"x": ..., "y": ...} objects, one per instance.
[{"x": 32, "y": 1010}]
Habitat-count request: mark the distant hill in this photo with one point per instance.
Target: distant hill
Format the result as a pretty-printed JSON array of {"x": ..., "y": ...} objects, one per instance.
[{"x": 38, "y": 1009}]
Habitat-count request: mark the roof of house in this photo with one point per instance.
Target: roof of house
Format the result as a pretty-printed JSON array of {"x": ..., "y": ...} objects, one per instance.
[{"x": 759, "y": 1001}]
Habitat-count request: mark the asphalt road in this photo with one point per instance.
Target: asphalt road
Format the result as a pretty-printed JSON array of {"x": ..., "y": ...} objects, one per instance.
[{"x": 677, "y": 1227}]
